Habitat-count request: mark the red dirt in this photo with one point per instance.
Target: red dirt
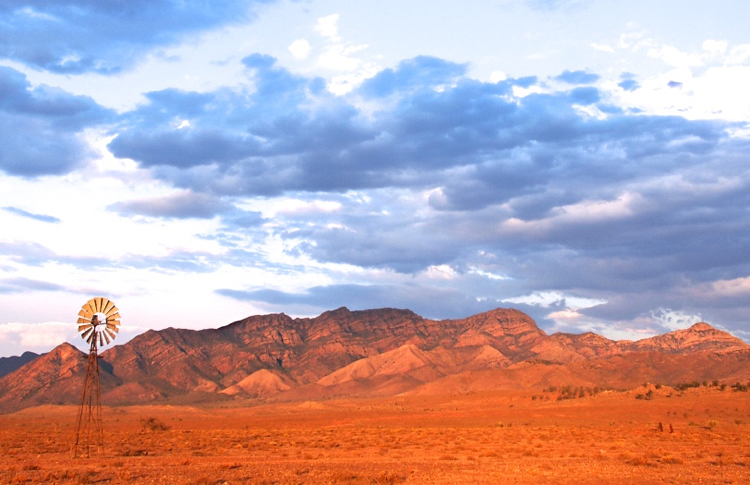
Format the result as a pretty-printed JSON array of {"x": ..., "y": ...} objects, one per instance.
[{"x": 493, "y": 437}]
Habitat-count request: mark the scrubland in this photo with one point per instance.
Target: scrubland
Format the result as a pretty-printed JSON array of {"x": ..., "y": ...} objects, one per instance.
[{"x": 695, "y": 435}]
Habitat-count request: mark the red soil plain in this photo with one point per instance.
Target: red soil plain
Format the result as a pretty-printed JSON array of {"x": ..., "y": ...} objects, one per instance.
[{"x": 651, "y": 434}]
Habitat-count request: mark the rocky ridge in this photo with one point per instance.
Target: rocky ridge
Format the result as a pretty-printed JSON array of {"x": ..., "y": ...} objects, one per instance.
[{"x": 372, "y": 352}]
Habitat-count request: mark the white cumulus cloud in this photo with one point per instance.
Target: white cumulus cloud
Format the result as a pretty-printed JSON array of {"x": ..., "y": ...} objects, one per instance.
[
  {"x": 328, "y": 26},
  {"x": 300, "y": 48}
]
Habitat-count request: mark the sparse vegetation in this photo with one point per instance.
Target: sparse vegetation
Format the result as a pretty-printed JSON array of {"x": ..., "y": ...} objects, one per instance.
[
  {"x": 687, "y": 385},
  {"x": 418, "y": 439},
  {"x": 572, "y": 392}
]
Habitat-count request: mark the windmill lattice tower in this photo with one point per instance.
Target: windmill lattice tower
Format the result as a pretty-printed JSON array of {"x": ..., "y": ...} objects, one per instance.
[{"x": 98, "y": 322}]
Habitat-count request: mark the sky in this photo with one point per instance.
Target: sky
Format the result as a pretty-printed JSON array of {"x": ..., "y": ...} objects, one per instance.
[{"x": 584, "y": 161}]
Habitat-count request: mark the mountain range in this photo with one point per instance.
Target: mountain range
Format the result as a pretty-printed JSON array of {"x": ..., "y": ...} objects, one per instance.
[{"x": 343, "y": 353}]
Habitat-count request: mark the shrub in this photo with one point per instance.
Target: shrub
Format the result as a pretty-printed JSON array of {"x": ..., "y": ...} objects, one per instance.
[
  {"x": 687, "y": 385},
  {"x": 153, "y": 424}
]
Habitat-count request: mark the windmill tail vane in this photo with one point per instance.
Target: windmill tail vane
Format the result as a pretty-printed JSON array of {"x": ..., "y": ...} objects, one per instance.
[{"x": 98, "y": 323}]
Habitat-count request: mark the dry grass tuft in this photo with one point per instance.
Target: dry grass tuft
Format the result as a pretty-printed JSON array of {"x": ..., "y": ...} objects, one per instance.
[{"x": 384, "y": 478}]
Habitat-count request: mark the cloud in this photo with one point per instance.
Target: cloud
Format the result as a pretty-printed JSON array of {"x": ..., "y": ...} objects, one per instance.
[
  {"x": 80, "y": 36},
  {"x": 28, "y": 253},
  {"x": 603, "y": 48},
  {"x": 413, "y": 74},
  {"x": 578, "y": 77},
  {"x": 671, "y": 320},
  {"x": 629, "y": 84},
  {"x": 328, "y": 26},
  {"x": 31, "y": 215},
  {"x": 300, "y": 48},
  {"x": 183, "y": 205},
  {"x": 715, "y": 47},
  {"x": 437, "y": 180},
  {"x": 11, "y": 286},
  {"x": 16, "y": 337},
  {"x": 734, "y": 287},
  {"x": 674, "y": 57},
  {"x": 41, "y": 128},
  {"x": 39, "y": 256},
  {"x": 485, "y": 169},
  {"x": 547, "y": 299}
]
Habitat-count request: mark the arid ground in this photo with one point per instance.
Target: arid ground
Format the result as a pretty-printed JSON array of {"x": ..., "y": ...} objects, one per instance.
[{"x": 694, "y": 436}]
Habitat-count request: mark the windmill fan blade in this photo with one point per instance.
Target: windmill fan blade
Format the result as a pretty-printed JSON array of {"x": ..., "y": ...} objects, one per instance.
[
  {"x": 84, "y": 320},
  {"x": 81, "y": 328},
  {"x": 85, "y": 314},
  {"x": 108, "y": 305},
  {"x": 110, "y": 333},
  {"x": 92, "y": 305},
  {"x": 106, "y": 337},
  {"x": 101, "y": 340},
  {"x": 88, "y": 307},
  {"x": 112, "y": 311},
  {"x": 88, "y": 340},
  {"x": 99, "y": 304},
  {"x": 87, "y": 333},
  {"x": 112, "y": 328},
  {"x": 113, "y": 316}
]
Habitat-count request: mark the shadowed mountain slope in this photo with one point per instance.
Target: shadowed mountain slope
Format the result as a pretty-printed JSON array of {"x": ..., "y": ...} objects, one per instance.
[
  {"x": 360, "y": 353},
  {"x": 9, "y": 364}
]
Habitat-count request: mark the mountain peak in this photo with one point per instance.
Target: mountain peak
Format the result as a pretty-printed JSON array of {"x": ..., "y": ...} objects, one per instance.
[{"x": 699, "y": 337}]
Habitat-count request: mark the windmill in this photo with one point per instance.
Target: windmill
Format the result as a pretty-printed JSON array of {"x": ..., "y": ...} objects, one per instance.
[{"x": 98, "y": 323}]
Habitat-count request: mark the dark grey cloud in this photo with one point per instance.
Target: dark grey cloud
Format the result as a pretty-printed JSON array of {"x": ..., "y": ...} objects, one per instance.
[
  {"x": 41, "y": 128},
  {"x": 79, "y": 36},
  {"x": 184, "y": 205},
  {"x": 31, "y": 215},
  {"x": 578, "y": 77}
]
